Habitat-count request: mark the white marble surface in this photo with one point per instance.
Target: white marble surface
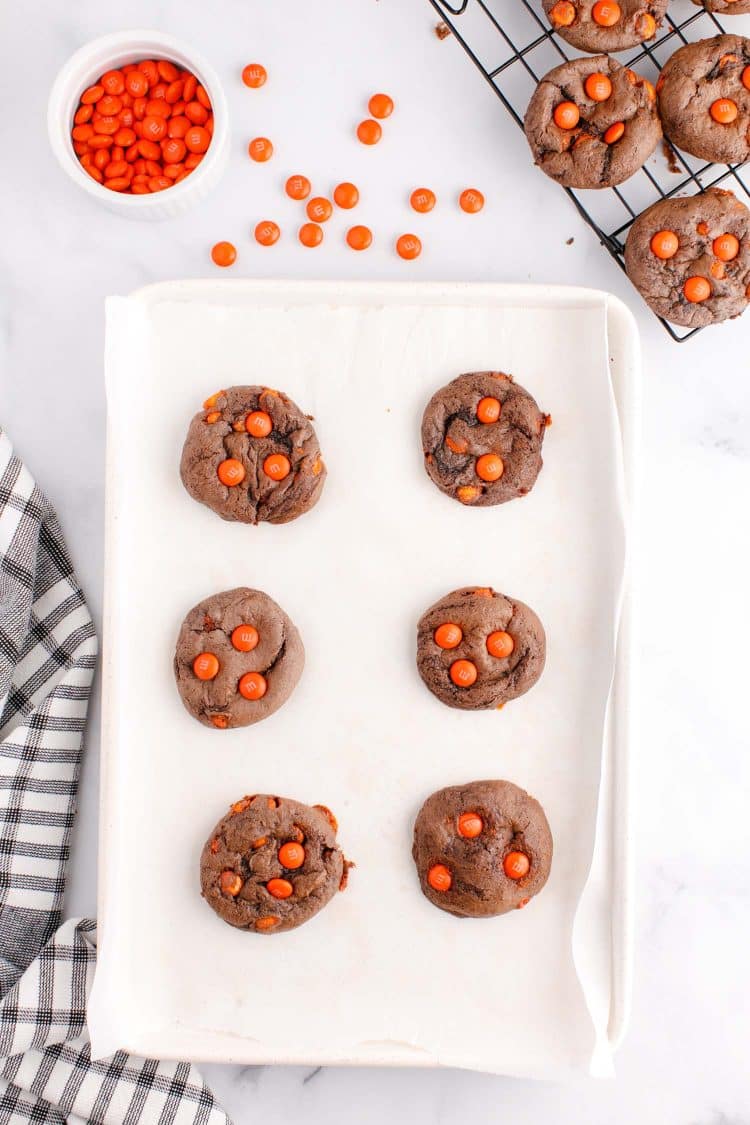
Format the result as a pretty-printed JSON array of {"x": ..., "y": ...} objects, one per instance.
[{"x": 684, "y": 1059}]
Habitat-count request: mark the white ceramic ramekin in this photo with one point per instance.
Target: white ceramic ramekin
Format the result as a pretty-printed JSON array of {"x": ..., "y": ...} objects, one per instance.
[{"x": 119, "y": 49}]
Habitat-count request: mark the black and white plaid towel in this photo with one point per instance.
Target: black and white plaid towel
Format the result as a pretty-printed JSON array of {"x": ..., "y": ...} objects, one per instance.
[{"x": 47, "y": 659}]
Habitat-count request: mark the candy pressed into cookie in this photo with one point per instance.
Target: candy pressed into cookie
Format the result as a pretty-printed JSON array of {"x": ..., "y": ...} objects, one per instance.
[
  {"x": 725, "y": 7},
  {"x": 482, "y": 849},
  {"x": 482, "y": 439},
  {"x": 238, "y": 658},
  {"x": 605, "y": 25},
  {"x": 704, "y": 98},
  {"x": 477, "y": 649},
  {"x": 272, "y": 863},
  {"x": 592, "y": 123},
  {"x": 252, "y": 455},
  {"x": 690, "y": 258}
]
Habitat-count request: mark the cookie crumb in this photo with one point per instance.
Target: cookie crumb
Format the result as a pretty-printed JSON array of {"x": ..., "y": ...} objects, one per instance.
[
  {"x": 569, "y": 241},
  {"x": 442, "y": 30},
  {"x": 673, "y": 163}
]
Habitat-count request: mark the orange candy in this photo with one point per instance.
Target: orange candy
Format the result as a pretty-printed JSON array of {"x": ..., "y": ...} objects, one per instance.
[
  {"x": 697, "y": 289},
  {"x": 291, "y": 856},
  {"x": 615, "y": 132},
  {"x": 448, "y": 635},
  {"x": 245, "y": 638},
  {"x": 488, "y": 410},
  {"x": 646, "y": 25},
  {"x": 439, "y": 877},
  {"x": 359, "y": 237},
  {"x": 267, "y": 232},
  {"x": 724, "y": 111},
  {"x": 726, "y": 247},
  {"x": 562, "y": 14},
  {"x": 231, "y": 472},
  {"x": 489, "y": 467},
  {"x": 206, "y": 666},
  {"x": 280, "y": 888},
  {"x": 346, "y": 196},
  {"x": 500, "y": 644},
  {"x": 408, "y": 246},
  {"x": 369, "y": 132},
  {"x": 298, "y": 187},
  {"x": 746, "y": 78},
  {"x": 254, "y": 75},
  {"x": 516, "y": 865},
  {"x": 463, "y": 673},
  {"x": 310, "y": 234},
  {"x": 598, "y": 87},
  {"x": 258, "y": 423},
  {"x": 252, "y": 686},
  {"x": 566, "y": 115},
  {"x": 260, "y": 149},
  {"x": 422, "y": 199},
  {"x": 380, "y": 105},
  {"x": 319, "y": 209},
  {"x": 470, "y": 825},
  {"x": 664, "y": 244},
  {"x": 606, "y": 13},
  {"x": 471, "y": 200},
  {"x": 230, "y": 883},
  {"x": 277, "y": 466}
]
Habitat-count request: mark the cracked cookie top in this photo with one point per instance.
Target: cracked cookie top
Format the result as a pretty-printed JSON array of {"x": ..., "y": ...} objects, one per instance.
[
  {"x": 252, "y": 455},
  {"x": 605, "y": 25},
  {"x": 238, "y": 658},
  {"x": 690, "y": 258},
  {"x": 482, "y": 849},
  {"x": 704, "y": 98},
  {"x": 726, "y": 7},
  {"x": 482, "y": 439},
  {"x": 272, "y": 863},
  {"x": 477, "y": 649},
  {"x": 592, "y": 123}
]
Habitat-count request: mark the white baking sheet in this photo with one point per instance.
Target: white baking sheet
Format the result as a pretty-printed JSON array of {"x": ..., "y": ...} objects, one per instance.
[{"x": 380, "y": 975}]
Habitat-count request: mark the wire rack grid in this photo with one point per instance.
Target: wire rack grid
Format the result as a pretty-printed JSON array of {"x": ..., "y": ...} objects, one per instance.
[{"x": 513, "y": 47}]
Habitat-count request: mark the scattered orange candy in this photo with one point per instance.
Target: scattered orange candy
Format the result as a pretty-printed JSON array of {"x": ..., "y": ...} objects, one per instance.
[
  {"x": 489, "y": 467},
  {"x": 448, "y": 635},
  {"x": 598, "y": 87},
  {"x": 267, "y": 232},
  {"x": 359, "y": 238},
  {"x": 319, "y": 209},
  {"x": 252, "y": 686},
  {"x": 516, "y": 865},
  {"x": 606, "y": 13},
  {"x": 615, "y": 132},
  {"x": 346, "y": 196},
  {"x": 562, "y": 14},
  {"x": 254, "y": 75},
  {"x": 724, "y": 111},
  {"x": 258, "y": 423},
  {"x": 664, "y": 244},
  {"x": 277, "y": 466},
  {"x": 206, "y": 666},
  {"x": 298, "y": 187},
  {"x": 310, "y": 234},
  {"x": 471, "y": 201},
  {"x": 463, "y": 673},
  {"x": 746, "y": 78},
  {"x": 500, "y": 644},
  {"x": 380, "y": 105},
  {"x": 488, "y": 410},
  {"x": 245, "y": 638},
  {"x": 726, "y": 247},
  {"x": 408, "y": 246},
  {"x": 697, "y": 289},
  {"x": 291, "y": 856},
  {"x": 369, "y": 132},
  {"x": 422, "y": 199},
  {"x": 566, "y": 115},
  {"x": 231, "y": 472},
  {"x": 260, "y": 149},
  {"x": 439, "y": 877},
  {"x": 470, "y": 825},
  {"x": 230, "y": 883}
]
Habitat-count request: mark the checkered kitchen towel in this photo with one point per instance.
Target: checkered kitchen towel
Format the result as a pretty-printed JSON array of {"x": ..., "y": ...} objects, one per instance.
[{"x": 47, "y": 659}]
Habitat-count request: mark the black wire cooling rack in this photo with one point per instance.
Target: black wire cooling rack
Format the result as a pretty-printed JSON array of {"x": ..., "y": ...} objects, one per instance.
[{"x": 512, "y": 45}]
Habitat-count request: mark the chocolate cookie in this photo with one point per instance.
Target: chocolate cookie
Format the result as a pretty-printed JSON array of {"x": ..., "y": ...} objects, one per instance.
[
  {"x": 704, "y": 98},
  {"x": 477, "y": 649},
  {"x": 482, "y": 849},
  {"x": 252, "y": 455},
  {"x": 482, "y": 438},
  {"x": 592, "y": 123},
  {"x": 690, "y": 258},
  {"x": 606, "y": 25},
  {"x": 238, "y": 658},
  {"x": 725, "y": 7},
  {"x": 271, "y": 864}
]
